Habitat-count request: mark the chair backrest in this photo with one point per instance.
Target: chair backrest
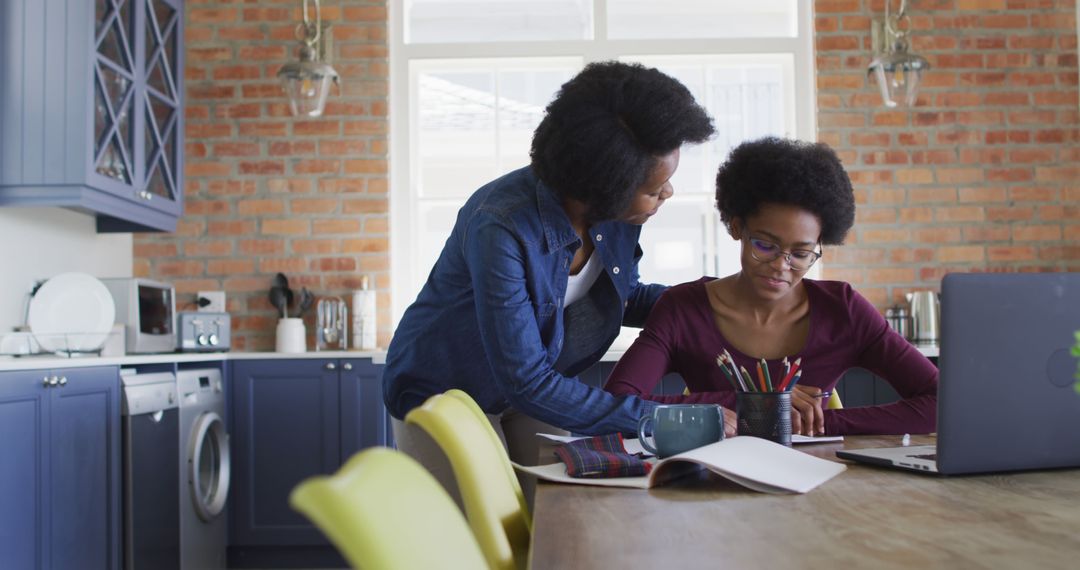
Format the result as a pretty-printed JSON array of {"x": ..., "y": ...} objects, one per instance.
[
  {"x": 382, "y": 509},
  {"x": 511, "y": 475},
  {"x": 493, "y": 500}
]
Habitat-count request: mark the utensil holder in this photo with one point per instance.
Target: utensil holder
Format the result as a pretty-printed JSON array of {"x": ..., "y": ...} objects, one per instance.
[
  {"x": 331, "y": 323},
  {"x": 291, "y": 335}
]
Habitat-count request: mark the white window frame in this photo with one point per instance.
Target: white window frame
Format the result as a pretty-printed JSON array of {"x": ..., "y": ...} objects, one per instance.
[{"x": 404, "y": 205}]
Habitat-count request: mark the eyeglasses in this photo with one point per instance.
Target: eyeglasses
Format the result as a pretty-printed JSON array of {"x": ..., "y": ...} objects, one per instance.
[{"x": 768, "y": 252}]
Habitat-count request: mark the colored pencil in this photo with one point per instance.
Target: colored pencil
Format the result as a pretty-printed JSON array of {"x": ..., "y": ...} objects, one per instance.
[
  {"x": 720, "y": 363},
  {"x": 794, "y": 380},
  {"x": 749, "y": 378},
  {"x": 790, "y": 374},
  {"x": 765, "y": 368}
]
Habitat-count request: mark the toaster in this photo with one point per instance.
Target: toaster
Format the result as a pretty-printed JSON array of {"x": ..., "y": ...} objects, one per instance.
[{"x": 203, "y": 332}]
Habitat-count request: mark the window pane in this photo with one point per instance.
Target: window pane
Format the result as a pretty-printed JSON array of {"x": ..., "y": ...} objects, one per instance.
[
  {"x": 434, "y": 227},
  {"x": 745, "y": 95},
  {"x": 523, "y": 95},
  {"x": 467, "y": 21},
  {"x": 456, "y": 132},
  {"x": 680, "y": 19},
  {"x": 673, "y": 242}
]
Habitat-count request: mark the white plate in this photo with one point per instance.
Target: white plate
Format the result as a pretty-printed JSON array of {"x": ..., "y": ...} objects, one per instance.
[{"x": 71, "y": 312}]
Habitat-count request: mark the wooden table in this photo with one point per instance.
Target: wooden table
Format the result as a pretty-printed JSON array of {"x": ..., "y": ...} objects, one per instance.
[{"x": 866, "y": 517}]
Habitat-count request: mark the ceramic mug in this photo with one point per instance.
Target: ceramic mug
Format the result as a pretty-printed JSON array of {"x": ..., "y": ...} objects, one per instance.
[{"x": 681, "y": 427}]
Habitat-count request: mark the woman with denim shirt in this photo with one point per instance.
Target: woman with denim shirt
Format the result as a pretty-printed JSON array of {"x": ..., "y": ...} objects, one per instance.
[{"x": 540, "y": 269}]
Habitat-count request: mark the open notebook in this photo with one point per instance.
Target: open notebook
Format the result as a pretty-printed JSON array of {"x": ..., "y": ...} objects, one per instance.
[{"x": 752, "y": 462}]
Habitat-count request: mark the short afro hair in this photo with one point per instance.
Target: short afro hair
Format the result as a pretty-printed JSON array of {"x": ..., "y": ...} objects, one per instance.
[
  {"x": 782, "y": 171},
  {"x": 603, "y": 134}
]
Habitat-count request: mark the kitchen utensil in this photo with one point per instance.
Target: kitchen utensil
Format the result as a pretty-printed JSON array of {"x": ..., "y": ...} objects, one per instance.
[
  {"x": 278, "y": 300},
  {"x": 72, "y": 312},
  {"x": 331, "y": 317},
  {"x": 925, "y": 312},
  {"x": 281, "y": 281},
  {"x": 306, "y": 299}
]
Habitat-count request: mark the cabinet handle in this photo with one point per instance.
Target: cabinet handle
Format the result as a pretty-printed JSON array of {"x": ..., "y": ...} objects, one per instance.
[
  {"x": 53, "y": 381},
  {"x": 347, "y": 366},
  {"x": 45, "y": 381},
  {"x": 331, "y": 366},
  {"x": 63, "y": 380}
]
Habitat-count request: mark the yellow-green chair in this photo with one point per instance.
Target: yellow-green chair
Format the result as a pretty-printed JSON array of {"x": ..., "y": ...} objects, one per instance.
[
  {"x": 511, "y": 475},
  {"x": 494, "y": 504},
  {"x": 383, "y": 510}
]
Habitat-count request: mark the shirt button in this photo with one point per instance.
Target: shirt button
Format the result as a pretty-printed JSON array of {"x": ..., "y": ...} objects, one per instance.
[
  {"x": 615, "y": 270},
  {"x": 599, "y": 237}
]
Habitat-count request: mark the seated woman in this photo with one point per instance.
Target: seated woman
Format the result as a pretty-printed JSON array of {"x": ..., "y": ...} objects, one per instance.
[{"x": 783, "y": 200}]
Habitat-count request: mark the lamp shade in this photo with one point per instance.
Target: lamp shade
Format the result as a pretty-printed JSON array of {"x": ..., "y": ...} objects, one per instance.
[
  {"x": 898, "y": 75},
  {"x": 307, "y": 83}
]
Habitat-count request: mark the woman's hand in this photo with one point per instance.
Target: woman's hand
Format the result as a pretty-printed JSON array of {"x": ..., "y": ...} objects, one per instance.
[
  {"x": 806, "y": 415},
  {"x": 730, "y": 422}
]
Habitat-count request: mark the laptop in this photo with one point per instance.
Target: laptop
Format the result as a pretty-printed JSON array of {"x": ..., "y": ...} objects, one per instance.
[{"x": 1005, "y": 398}]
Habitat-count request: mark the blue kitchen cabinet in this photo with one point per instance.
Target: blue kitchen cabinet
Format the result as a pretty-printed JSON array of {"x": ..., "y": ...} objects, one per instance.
[
  {"x": 91, "y": 116},
  {"x": 60, "y": 469},
  {"x": 293, "y": 419}
]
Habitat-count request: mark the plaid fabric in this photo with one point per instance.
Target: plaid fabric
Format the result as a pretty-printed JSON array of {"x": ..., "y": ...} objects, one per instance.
[{"x": 600, "y": 456}]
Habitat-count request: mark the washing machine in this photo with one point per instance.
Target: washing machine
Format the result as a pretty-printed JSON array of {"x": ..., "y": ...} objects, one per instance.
[{"x": 204, "y": 469}]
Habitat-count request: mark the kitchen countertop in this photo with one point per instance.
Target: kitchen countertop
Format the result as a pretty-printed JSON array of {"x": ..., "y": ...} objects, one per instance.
[
  {"x": 377, "y": 357},
  {"x": 47, "y": 361}
]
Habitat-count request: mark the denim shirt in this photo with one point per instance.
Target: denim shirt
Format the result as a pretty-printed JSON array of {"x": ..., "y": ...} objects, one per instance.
[{"x": 489, "y": 320}]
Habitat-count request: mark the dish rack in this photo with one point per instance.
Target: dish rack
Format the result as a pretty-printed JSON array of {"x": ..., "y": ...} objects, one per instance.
[{"x": 66, "y": 345}]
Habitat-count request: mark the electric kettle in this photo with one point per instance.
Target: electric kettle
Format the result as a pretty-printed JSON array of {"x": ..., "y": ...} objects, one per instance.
[{"x": 925, "y": 315}]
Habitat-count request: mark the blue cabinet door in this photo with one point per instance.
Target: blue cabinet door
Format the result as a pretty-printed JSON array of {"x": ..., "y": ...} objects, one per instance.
[
  {"x": 24, "y": 408},
  {"x": 84, "y": 450},
  {"x": 286, "y": 429},
  {"x": 60, "y": 469},
  {"x": 364, "y": 421}
]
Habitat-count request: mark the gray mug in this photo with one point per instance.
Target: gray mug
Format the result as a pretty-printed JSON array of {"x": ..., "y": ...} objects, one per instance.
[{"x": 681, "y": 427}]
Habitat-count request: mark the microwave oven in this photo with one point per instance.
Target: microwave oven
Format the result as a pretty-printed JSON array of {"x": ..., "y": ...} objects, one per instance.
[{"x": 147, "y": 309}]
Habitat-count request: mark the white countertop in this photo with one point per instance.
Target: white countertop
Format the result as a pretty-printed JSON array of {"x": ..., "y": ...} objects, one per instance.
[
  {"x": 48, "y": 361},
  {"x": 377, "y": 357}
]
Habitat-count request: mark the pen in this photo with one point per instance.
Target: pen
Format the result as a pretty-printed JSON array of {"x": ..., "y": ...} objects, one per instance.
[{"x": 825, "y": 394}]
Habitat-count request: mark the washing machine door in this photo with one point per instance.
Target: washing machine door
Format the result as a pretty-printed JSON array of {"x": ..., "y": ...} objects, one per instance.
[{"x": 208, "y": 465}]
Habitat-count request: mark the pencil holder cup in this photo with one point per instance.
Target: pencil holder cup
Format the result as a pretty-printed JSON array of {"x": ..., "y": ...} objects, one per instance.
[{"x": 766, "y": 415}]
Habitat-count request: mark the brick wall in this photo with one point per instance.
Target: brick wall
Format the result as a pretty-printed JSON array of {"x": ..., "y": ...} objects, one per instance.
[
  {"x": 984, "y": 173},
  {"x": 267, "y": 192}
]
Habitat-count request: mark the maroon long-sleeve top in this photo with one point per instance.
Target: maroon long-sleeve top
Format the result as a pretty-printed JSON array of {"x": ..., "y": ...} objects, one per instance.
[{"x": 846, "y": 331}]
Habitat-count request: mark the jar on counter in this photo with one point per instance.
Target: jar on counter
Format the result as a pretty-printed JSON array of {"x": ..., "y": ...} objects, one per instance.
[{"x": 898, "y": 318}]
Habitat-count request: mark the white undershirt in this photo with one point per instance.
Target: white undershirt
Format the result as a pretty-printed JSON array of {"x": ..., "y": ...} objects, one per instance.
[{"x": 578, "y": 285}]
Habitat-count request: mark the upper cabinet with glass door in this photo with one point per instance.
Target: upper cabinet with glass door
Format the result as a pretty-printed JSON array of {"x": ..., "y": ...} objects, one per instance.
[{"x": 91, "y": 109}]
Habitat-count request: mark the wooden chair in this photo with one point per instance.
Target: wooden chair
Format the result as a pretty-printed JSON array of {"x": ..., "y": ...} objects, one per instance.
[{"x": 383, "y": 510}]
